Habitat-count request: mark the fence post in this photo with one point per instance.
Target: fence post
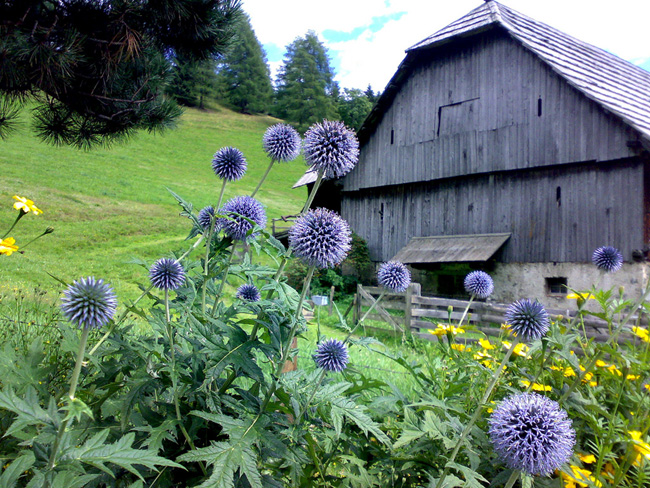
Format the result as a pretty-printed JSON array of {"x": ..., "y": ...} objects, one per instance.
[
  {"x": 331, "y": 302},
  {"x": 357, "y": 307}
]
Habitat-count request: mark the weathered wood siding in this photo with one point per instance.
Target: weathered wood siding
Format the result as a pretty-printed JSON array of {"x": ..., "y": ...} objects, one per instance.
[
  {"x": 555, "y": 214},
  {"x": 484, "y": 105}
]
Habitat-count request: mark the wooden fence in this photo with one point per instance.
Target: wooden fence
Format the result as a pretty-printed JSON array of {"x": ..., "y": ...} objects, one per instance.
[{"x": 417, "y": 313}]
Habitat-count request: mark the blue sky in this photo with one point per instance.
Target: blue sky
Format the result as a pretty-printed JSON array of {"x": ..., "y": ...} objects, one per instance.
[{"x": 366, "y": 40}]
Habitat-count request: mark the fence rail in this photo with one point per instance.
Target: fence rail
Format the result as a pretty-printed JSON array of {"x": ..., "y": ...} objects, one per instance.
[{"x": 414, "y": 309}]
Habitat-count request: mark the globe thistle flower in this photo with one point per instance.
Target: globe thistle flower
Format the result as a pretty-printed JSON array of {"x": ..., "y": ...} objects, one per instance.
[
  {"x": 206, "y": 215},
  {"x": 528, "y": 318},
  {"x": 281, "y": 142},
  {"x": 479, "y": 284},
  {"x": 394, "y": 276},
  {"x": 531, "y": 433},
  {"x": 320, "y": 238},
  {"x": 332, "y": 148},
  {"x": 248, "y": 293},
  {"x": 229, "y": 164},
  {"x": 167, "y": 274},
  {"x": 89, "y": 303},
  {"x": 241, "y": 211},
  {"x": 607, "y": 258},
  {"x": 332, "y": 355}
]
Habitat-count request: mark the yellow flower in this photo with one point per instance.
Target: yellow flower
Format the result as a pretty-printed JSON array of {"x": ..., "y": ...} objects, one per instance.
[
  {"x": 578, "y": 477},
  {"x": 7, "y": 246},
  {"x": 601, "y": 364},
  {"x": 442, "y": 329},
  {"x": 521, "y": 349},
  {"x": 486, "y": 344},
  {"x": 642, "y": 333},
  {"x": 460, "y": 347},
  {"x": 26, "y": 205},
  {"x": 643, "y": 448},
  {"x": 587, "y": 458},
  {"x": 567, "y": 372},
  {"x": 536, "y": 386},
  {"x": 581, "y": 296},
  {"x": 632, "y": 377},
  {"x": 484, "y": 358}
]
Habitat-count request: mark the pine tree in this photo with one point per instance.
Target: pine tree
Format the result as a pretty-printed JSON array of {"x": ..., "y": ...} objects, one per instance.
[
  {"x": 306, "y": 83},
  {"x": 193, "y": 82},
  {"x": 244, "y": 76},
  {"x": 97, "y": 69},
  {"x": 354, "y": 107}
]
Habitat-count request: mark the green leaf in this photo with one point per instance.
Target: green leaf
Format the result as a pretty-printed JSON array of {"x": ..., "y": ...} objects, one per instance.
[
  {"x": 72, "y": 479},
  {"x": 472, "y": 478},
  {"x": 76, "y": 409},
  {"x": 16, "y": 469},
  {"x": 226, "y": 458},
  {"x": 29, "y": 411},
  {"x": 95, "y": 453},
  {"x": 356, "y": 413}
]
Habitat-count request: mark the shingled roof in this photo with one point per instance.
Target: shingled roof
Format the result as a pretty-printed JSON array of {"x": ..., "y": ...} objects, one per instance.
[{"x": 615, "y": 84}]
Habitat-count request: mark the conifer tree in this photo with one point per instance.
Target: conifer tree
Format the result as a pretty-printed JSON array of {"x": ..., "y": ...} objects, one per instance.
[
  {"x": 244, "y": 77},
  {"x": 97, "y": 69},
  {"x": 306, "y": 83},
  {"x": 354, "y": 106}
]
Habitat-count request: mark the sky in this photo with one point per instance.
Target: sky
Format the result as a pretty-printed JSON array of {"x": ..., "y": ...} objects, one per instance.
[{"x": 366, "y": 39}]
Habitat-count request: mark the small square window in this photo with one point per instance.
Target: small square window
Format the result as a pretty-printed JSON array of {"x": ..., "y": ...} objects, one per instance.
[{"x": 556, "y": 286}]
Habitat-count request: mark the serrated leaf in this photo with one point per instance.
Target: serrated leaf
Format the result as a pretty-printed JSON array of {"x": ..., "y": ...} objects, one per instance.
[
  {"x": 95, "y": 453},
  {"x": 407, "y": 437},
  {"x": 356, "y": 413},
  {"x": 28, "y": 411},
  {"x": 72, "y": 479},
  {"x": 16, "y": 469},
  {"x": 472, "y": 478},
  {"x": 226, "y": 458}
]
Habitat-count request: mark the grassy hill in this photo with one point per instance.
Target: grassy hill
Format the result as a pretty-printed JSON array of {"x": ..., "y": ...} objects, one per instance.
[{"x": 110, "y": 205}]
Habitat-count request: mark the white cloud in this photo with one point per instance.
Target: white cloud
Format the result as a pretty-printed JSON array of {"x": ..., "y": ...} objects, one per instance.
[{"x": 619, "y": 27}]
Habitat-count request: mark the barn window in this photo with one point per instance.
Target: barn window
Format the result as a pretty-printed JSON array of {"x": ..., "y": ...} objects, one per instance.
[
  {"x": 539, "y": 107},
  {"x": 556, "y": 286},
  {"x": 392, "y": 136},
  {"x": 558, "y": 196}
]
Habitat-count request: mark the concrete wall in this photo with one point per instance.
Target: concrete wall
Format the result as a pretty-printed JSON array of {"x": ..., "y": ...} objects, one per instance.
[{"x": 513, "y": 281}]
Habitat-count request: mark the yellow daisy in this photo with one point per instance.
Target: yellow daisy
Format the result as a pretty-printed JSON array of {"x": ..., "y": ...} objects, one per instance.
[
  {"x": 26, "y": 205},
  {"x": 536, "y": 386},
  {"x": 7, "y": 246}
]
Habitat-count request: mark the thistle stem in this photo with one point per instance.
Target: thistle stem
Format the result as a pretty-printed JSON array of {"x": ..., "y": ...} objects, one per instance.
[
  {"x": 266, "y": 173},
  {"x": 174, "y": 376},
  {"x": 513, "y": 478},
  {"x": 381, "y": 295},
  {"x": 142, "y": 295},
  {"x": 74, "y": 379},
  {"x": 45, "y": 232},
  {"x": 479, "y": 408},
  {"x": 223, "y": 281}
]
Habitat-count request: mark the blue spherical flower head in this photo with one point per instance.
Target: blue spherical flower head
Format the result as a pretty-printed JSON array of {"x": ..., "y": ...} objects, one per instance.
[
  {"x": 320, "y": 238},
  {"x": 206, "y": 215},
  {"x": 394, "y": 276},
  {"x": 244, "y": 212},
  {"x": 248, "y": 293},
  {"x": 332, "y": 148},
  {"x": 89, "y": 302},
  {"x": 528, "y": 318},
  {"x": 479, "y": 284},
  {"x": 229, "y": 164},
  {"x": 332, "y": 355},
  {"x": 607, "y": 258},
  {"x": 281, "y": 142},
  {"x": 531, "y": 433},
  {"x": 167, "y": 274}
]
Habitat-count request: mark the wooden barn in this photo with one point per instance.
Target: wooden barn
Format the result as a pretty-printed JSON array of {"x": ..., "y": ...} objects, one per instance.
[{"x": 506, "y": 145}]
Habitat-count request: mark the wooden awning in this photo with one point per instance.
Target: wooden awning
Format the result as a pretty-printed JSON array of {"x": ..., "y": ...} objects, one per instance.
[{"x": 451, "y": 249}]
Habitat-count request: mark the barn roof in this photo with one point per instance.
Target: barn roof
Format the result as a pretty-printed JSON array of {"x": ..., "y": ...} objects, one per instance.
[
  {"x": 615, "y": 84},
  {"x": 451, "y": 249}
]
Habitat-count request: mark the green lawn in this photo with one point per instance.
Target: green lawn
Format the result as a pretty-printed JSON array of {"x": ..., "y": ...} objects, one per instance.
[{"x": 111, "y": 205}]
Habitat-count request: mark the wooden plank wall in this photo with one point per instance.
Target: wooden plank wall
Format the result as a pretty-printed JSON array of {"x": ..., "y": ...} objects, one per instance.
[
  {"x": 599, "y": 204},
  {"x": 474, "y": 108}
]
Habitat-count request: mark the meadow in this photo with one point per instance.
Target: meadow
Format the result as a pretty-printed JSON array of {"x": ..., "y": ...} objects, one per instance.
[{"x": 110, "y": 205}]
